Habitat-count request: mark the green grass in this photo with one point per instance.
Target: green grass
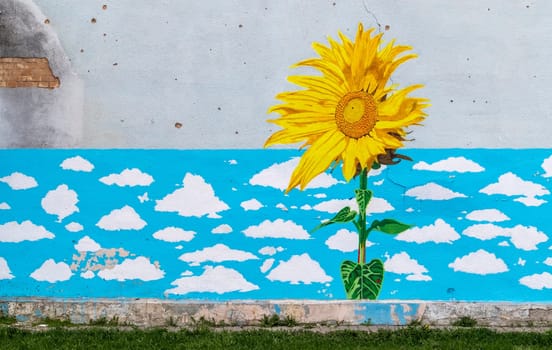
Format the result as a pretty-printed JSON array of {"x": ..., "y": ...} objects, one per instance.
[
  {"x": 276, "y": 321},
  {"x": 406, "y": 338},
  {"x": 51, "y": 322},
  {"x": 7, "y": 320},
  {"x": 465, "y": 321}
]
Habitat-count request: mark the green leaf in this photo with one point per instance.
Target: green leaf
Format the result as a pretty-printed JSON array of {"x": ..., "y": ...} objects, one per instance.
[
  {"x": 344, "y": 215},
  {"x": 363, "y": 198},
  {"x": 389, "y": 226},
  {"x": 362, "y": 281}
]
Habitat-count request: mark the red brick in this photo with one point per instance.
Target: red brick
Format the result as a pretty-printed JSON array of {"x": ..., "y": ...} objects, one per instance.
[{"x": 26, "y": 72}]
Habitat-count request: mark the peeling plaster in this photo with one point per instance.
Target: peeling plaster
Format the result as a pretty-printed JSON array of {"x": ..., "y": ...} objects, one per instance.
[{"x": 35, "y": 118}]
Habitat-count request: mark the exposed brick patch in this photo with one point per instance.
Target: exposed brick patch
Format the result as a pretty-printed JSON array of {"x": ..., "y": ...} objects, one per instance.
[{"x": 18, "y": 72}]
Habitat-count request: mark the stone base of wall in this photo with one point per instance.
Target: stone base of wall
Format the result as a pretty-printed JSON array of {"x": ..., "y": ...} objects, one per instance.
[{"x": 159, "y": 313}]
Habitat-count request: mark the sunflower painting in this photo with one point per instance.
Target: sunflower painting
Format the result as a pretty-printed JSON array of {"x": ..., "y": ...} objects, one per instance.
[{"x": 350, "y": 115}]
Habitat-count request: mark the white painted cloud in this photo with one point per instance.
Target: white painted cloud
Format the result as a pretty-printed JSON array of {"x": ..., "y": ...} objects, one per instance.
[
  {"x": 510, "y": 184},
  {"x": 15, "y": 232},
  {"x": 217, "y": 253},
  {"x": 345, "y": 241},
  {"x": 251, "y": 204},
  {"x": 267, "y": 264},
  {"x": 490, "y": 215},
  {"x": 277, "y": 229},
  {"x": 128, "y": 177},
  {"x": 281, "y": 206},
  {"x": 4, "y": 206},
  {"x": 320, "y": 195},
  {"x": 548, "y": 261},
  {"x": 74, "y": 227},
  {"x": 547, "y": 166},
  {"x": 522, "y": 237},
  {"x": 305, "y": 207},
  {"x": 216, "y": 279},
  {"x": 87, "y": 244},
  {"x": 195, "y": 198},
  {"x": 174, "y": 234},
  {"x": 5, "y": 272},
  {"x": 61, "y": 202},
  {"x": 423, "y": 278},
  {"x": 77, "y": 163},
  {"x": 299, "y": 269},
  {"x": 526, "y": 237},
  {"x": 222, "y": 229},
  {"x": 530, "y": 201},
  {"x": 485, "y": 231},
  {"x": 402, "y": 263},
  {"x": 376, "y": 172},
  {"x": 451, "y": 164},
  {"x": 537, "y": 281},
  {"x": 232, "y": 162},
  {"x": 433, "y": 191},
  {"x": 139, "y": 268},
  {"x": 333, "y": 206},
  {"x": 50, "y": 271},
  {"x": 438, "y": 232},
  {"x": 480, "y": 262},
  {"x": 378, "y": 206},
  {"x": 125, "y": 218},
  {"x": 270, "y": 250},
  {"x": 88, "y": 275},
  {"x": 278, "y": 175},
  {"x": 19, "y": 181}
]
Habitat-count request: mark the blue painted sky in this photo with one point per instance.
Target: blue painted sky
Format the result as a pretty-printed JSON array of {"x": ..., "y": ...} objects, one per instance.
[{"x": 217, "y": 225}]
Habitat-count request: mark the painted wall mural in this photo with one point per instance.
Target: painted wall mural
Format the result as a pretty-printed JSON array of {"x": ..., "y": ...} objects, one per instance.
[
  {"x": 218, "y": 225},
  {"x": 141, "y": 174},
  {"x": 350, "y": 115}
]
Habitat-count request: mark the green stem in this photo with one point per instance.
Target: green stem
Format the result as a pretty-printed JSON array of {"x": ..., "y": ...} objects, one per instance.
[{"x": 362, "y": 235}]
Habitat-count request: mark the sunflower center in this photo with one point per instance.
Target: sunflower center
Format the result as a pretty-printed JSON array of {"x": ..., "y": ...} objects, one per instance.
[{"x": 356, "y": 114}]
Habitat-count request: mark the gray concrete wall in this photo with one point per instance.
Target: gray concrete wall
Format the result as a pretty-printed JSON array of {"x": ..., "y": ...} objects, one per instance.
[
  {"x": 132, "y": 70},
  {"x": 157, "y": 313}
]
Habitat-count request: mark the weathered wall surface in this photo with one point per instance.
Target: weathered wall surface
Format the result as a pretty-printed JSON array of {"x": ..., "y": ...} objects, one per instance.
[
  {"x": 35, "y": 117},
  {"x": 213, "y": 68},
  {"x": 214, "y": 224}
]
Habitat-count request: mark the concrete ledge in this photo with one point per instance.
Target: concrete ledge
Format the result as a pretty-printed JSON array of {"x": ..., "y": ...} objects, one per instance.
[{"x": 158, "y": 313}]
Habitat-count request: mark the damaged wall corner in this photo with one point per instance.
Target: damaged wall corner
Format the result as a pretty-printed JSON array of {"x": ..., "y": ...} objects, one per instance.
[{"x": 36, "y": 110}]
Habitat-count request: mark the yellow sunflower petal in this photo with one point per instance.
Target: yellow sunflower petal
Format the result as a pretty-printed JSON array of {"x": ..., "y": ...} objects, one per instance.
[
  {"x": 313, "y": 97},
  {"x": 390, "y": 108},
  {"x": 329, "y": 69},
  {"x": 349, "y": 114},
  {"x": 317, "y": 159},
  {"x": 364, "y": 156},
  {"x": 318, "y": 84},
  {"x": 295, "y": 135},
  {"x": 349, "y": 157}
]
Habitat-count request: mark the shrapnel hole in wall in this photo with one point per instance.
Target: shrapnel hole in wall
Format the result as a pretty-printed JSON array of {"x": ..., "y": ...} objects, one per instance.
[{"x": 17, "y": 72}]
